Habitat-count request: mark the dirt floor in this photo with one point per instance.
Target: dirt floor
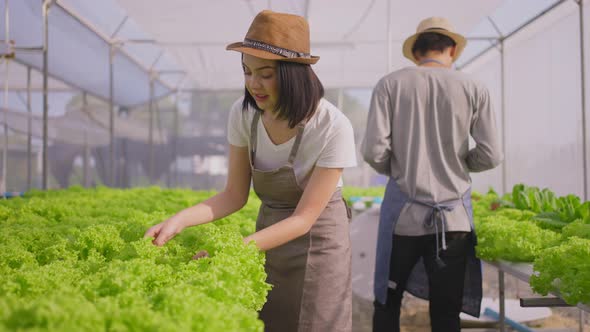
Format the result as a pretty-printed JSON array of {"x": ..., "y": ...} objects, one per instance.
[{"x": 415, "y": 311}]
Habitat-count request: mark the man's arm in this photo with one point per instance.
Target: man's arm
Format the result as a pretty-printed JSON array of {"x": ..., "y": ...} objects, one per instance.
[
  {"x": 487, "y": 153},
  {"x": 376, "y": 146}
]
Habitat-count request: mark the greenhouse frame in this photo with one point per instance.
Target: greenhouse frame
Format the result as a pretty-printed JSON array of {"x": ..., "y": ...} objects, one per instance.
[{"x": 134, "y": 93}]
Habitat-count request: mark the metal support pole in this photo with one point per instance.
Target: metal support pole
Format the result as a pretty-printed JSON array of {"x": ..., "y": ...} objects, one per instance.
[
  {"x": 501, "y": 300},
  {"x": 29, "y": 132},
  {"x": 583, "y": 87},
  {"x": 85, "y": 160},
  {"x": 501, "y": 39},
  {"x": 86, "y": 156},
  {"x": 515, "y": 31},
  {"x": 112, "y": 51},
  {"x": 160, "y": 136},
  {"x": 119, "y": 27},
  {"x": 503, "y": 111},
  {"x": 151, "y": 132},
  {"x": 175, "y": 146},
  {"x": 46, "y": 5},
  {"x": 3, "y": 186},
  {"x": 177, "y": 128},
  {"x": 125, "y": 182}
]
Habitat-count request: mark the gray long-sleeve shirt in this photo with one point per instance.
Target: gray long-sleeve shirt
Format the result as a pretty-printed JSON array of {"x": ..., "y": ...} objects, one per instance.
[{"x": 418, "y": 129}]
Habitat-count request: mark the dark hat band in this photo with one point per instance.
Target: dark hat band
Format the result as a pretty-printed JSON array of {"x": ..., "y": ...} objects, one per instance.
[{"x": 274, "y": 49}]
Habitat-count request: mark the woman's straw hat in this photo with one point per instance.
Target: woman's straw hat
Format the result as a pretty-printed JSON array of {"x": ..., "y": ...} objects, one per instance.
[{"x": 277, "y": 36}]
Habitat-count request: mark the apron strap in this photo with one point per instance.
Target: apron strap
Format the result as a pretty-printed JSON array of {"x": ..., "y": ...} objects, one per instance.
[
  {"x": 254, "y": 140},
  {"x": 254, "y": 137},
  {"x": 295, "y": 148}
]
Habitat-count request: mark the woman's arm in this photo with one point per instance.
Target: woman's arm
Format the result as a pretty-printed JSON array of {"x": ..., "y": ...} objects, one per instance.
[
  {"x": 316, "y": 196},
  {"x": 230, "y": 200}
]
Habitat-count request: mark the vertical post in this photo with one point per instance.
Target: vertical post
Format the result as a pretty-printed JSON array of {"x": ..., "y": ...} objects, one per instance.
[
  {"x": 85, "y": 181},
  {"x": 112, "y": 170},
  {"x": 501, "y": 299},
  {"x": 151, "y": 131},
  {"x": 503, "y": 111},
  {"x": 29, "y": 132},
  {"x": 85, "y": 157},
  {"x": 175, "y": 146},
  {"x": 501, "y": 39},
  {"x": 5, "y": 149},
  {"x": 125, "y": 182},
  {"x": 203, "y": 118},
  {"x": 3, "y": 186},
  {"x": 306, "y": 10},
  {"x": 583, "y": 87},
  {"x": 582, "y": 320},
  {"x": 46, "y": 5}
]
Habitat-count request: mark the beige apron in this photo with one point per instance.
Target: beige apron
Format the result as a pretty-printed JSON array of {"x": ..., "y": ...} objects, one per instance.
[{"x": 311, "y": 275}]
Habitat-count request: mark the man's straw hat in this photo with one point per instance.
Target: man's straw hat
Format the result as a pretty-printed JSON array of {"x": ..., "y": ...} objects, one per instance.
[{"x": 438, "y": 25}]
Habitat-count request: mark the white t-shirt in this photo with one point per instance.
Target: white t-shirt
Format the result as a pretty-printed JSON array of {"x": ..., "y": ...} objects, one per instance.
[{"x": 328, "y": 141}]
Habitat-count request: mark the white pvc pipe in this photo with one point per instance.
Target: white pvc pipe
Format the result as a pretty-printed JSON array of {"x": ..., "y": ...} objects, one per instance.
[
  {"x": 44, "y": 162},
  {"x": 583, "y": 87},
  {"x": 5, "y": 148},
  {"x": 29, "y": 131}
]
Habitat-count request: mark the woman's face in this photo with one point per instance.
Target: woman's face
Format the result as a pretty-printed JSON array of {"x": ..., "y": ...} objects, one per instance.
[{"x": 260, "y": 76}]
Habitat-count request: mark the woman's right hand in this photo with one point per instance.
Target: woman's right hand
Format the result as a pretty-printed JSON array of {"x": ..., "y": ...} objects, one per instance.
[
  {"x": 164, "y": 231},
  {"x": 233, "y": 198}
]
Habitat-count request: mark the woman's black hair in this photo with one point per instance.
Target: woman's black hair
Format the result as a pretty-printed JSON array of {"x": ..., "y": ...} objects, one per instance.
[
  {"x": 300, "y": 91},
  {"x": 431, "y": 41}
]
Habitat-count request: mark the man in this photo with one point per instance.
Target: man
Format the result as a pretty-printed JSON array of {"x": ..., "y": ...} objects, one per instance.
[{"x": 418, "y": 129}]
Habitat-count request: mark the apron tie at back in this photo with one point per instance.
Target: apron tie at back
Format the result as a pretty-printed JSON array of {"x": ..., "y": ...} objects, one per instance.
[{"x": 438, "y": 209}]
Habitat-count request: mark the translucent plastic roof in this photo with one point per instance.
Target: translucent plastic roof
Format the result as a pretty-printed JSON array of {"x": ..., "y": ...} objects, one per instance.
[
  {"x": 110, "y": 19},
  {"x": 184, "y": 41},
  {"x": 350, "y": 36},
  {"x": 503, "y": 21},
  {"x": 17, "y": 79},
  {"x": 57, "y": 102},
  {"x": 78, "y": 55}
]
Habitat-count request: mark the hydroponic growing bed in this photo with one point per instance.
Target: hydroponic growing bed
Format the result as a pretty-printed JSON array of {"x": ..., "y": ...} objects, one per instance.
[
  {"x": 535, "y": 226},
  {"x": 76, "y": 260}
]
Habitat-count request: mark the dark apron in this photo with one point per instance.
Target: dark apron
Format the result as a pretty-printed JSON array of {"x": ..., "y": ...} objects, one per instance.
[
  {"x": 310, "y": 275},
  {"x": 417, "y": 285}
]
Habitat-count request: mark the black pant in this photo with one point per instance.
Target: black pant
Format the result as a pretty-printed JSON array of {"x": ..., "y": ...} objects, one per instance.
[{"x": 445, "y": 283}]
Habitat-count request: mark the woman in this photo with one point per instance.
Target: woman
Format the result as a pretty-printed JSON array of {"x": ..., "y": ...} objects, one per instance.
[{"x": 292, "y": 144}]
